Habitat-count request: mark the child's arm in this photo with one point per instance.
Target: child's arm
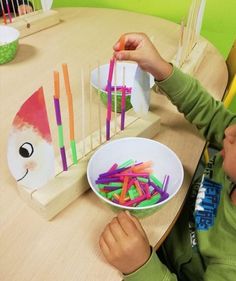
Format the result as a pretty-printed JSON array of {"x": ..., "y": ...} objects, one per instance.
[{"x": 200, "y": 108}]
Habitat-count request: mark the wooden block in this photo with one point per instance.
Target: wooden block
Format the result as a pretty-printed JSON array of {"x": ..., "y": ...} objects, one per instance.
[
  {"x": 191, "y": 64},
  {"x": 35, "y": 21},
  {"x": 52, "y": 198}
]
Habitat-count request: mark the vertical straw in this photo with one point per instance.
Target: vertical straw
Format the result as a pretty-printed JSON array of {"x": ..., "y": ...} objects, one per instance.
[
  {"x": 188, "y": 33},
  {"x": 90, "y": 112},
  {"x": 17, "y": 1},
  {"x": 3, "y": 13},
  {"x": 8, "y": 11},
  {"x": 109, "y": 98},
  {"x": 180, "y": 47},
  {"x": 56, "y": 99},
  {"x": 24, "y": 7},
  {"x": 99, "y": 105},
  {"x": 200, "y": 17},
  {"x": 194, "y": 24},
  {"x": 83, "y": 112},
  {"x": 13, "y": 7},
  {"x": 71, "y": 113},
  {"x": 115, "y": 96},
  {"x": 123, "y": 89}
]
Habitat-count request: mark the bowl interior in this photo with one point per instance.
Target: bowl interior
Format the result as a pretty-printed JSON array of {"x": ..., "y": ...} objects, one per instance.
[
  {"x": 165, "y": 162},
  {"x": 8, "y": 34},
  {"x": 130, "y": 69}
]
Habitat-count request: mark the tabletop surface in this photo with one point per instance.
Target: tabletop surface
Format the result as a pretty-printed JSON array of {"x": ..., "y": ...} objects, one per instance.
[{"x": 66, "y": 248}]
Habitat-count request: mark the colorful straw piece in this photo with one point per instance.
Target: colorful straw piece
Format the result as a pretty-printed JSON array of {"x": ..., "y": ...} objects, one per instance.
[
  {"x": 109, "y": 98},
  {"x": 122, "y": 43},
  {"x": 56, "y": 99},
  {"x": 115, "y": 89},
  {"x": 8, "y": 11},
  {"x": 131, "y": 184},
  {"x": 123, "y": 97},
  {"x": 128, "y": 90},
  {"x": 71, "y": 113},
  {"x": 109, "y": 90}
]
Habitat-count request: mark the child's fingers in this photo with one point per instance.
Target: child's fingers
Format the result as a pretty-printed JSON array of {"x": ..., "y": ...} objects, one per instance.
[
  {"x": 108, "y": 236},
  {"x": 116, "y": 230},
  {"x": 128, "y": 41},
  {"x": 104, "y": 248},
  {"x": 127, "y": 55}
]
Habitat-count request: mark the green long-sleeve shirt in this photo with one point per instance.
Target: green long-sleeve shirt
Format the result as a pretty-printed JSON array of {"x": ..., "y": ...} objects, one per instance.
[{"x": 202, "y": 244}]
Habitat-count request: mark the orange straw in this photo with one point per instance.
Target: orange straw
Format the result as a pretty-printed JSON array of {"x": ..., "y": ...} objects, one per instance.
[
  {"x": 56, "y": 84},
  {"x": 122, "y": 42},
  {"x": 71, "y": 113},
  {"x": 124, "y": 190},
  {"x": 69, "y": 99},
  {"x": 138, "y": 187},
  {"x": 142, "y": 166}
]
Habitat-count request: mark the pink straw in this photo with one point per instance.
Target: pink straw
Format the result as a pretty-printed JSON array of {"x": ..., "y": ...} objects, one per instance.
[
  {"x": 109, "y": 98},
  {"x": 8, "y": 11},
  {"x": 122, "y": 125}
]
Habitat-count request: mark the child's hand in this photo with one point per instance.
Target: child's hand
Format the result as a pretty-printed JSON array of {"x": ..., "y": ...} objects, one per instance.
[
  {"x": 124, "y": 243},
  {"x": 138, "y": 48},
  {"x": 24, "y": 9}
]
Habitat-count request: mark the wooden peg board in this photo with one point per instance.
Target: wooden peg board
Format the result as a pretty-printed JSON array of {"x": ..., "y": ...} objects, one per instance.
[
  {"x": 35, "y": 21},
  {"x": 52, "y": 198}
]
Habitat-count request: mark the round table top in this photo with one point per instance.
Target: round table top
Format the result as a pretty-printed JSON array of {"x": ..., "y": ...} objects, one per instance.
[{"x": 66, "y": 248}]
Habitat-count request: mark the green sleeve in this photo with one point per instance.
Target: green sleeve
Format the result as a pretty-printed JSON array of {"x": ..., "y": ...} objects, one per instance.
[
  {"x": 152, "y": 270},
  {"x": 220, "y": 270},
  {"x": 200, "y": 108}
]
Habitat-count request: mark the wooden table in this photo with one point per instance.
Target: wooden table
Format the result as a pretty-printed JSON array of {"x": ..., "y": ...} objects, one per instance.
[{"x": 66, "y": 248}]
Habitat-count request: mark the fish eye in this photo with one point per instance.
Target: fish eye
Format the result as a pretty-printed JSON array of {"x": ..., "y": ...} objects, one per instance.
[{"x": 26, "y": 150}]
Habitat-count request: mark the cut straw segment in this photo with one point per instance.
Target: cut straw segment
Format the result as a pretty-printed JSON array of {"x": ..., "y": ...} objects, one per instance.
[
  {"x": 71, "y": 113},
  {"x": 122, "y": 43},
  {"x": 109, "y": 98},
  {"x": 59, "y": 120},
  {"x": 123, "y": 99},
  {"x": 125, "y": 188}
]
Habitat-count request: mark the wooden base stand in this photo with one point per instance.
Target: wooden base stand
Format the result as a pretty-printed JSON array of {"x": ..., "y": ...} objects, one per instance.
[
  {"x": 49, "y": 200},
  {"x": 191, "y": 64},
  {"x": 35, "y": 21}
]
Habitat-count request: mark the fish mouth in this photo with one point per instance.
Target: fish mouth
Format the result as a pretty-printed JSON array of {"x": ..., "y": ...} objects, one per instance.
[{"x": 24, "y": 175}]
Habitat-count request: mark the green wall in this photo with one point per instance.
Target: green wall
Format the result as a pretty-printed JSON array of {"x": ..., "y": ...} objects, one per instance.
[{"x": 219, "y": 23}]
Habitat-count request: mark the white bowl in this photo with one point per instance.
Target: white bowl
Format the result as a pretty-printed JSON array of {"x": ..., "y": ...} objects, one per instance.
[
  {"x": 9, "y": 38},
  {"x": 165, "y": 162},
  {"x": 130, "y": 70}
]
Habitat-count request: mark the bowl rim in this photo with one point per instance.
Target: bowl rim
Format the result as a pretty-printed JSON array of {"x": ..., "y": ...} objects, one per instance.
[
  {"x": 15, "y": 37},
  {"x": 107, "y": 65},
  {"x": 144, "y": 207}
]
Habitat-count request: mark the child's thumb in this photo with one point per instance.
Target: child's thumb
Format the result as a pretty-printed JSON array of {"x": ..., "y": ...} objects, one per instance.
[{"x": 137, "y": 223}]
